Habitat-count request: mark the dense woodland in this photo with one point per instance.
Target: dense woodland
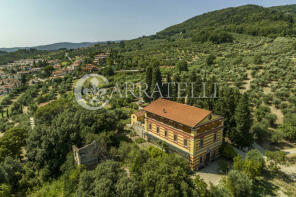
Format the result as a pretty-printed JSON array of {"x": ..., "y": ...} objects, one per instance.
[{"x": 248, "y": 51}]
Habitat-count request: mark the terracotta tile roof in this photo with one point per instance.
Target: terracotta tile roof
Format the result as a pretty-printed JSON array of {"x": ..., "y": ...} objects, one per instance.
[{"x": 181, "y": 113}]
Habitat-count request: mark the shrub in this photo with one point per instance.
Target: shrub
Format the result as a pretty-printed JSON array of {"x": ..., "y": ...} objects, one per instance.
[
  {"x": 275, "y": 159},
  {"x": 260, "y": 131},
  {"x": 210, "y": 59},
  {"x": 223, "y": 166},
  {"x": 5, "y": 190},
  {"x": 276, "y": 136},
  {"x": 256, "y": 156},
  {"x": 258, "y": 59},
  {"x": 200, "y": 186},
  {"x": 182, "y": 66},
  {"x": 238, "y": 184},
  {"x": 249, "y": 167},
  {"x": 140, "y": 140},
  {"x": 228, "y": 152},
  {"x": 133, "y": 134},
  {"x": 288, "y": 130},
  {"x": 271, "y": 118}
]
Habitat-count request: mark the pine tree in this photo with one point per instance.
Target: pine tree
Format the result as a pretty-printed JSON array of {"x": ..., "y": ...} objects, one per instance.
[
  {"x": 242, "y": 136},
  {"x": 156, "y": 84}
]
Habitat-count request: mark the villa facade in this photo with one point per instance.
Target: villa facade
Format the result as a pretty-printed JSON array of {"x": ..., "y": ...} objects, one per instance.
[{"x": 194, "y": 133}]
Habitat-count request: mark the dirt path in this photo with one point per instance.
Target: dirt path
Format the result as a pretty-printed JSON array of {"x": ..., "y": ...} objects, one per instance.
[
  {"x": 278, "y": 113},
  {"x": 290, "y": 151},
  {"x": 267, "y": 90}
]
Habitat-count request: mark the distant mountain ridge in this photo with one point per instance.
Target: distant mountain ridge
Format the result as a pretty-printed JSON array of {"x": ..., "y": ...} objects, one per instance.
[
  {"x": 55, "y": 46},
  {"x": 287, "y": 9}
]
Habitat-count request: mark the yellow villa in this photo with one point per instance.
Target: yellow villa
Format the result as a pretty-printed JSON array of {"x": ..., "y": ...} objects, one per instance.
[{"x": 194, "y": 133}]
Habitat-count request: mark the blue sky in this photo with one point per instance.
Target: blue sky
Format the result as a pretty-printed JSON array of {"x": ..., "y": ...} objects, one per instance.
[{"x": 37, "y": 22}]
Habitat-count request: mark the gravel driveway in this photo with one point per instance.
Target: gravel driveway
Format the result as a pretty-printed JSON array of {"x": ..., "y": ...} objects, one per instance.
[{"x": 210, "y": 174}]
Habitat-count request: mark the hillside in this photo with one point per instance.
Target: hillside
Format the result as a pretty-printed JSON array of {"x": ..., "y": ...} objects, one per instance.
[
  {"x": 253, "y": 59},
  {"x": 247, "y": 51},
  {"x": 249, "y": 19},
  {"x": 287, "y": 9},
  {"x": 55, "y": 46}
]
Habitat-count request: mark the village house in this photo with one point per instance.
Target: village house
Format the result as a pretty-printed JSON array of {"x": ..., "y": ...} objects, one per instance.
[
  {"x": 36, "y": 70},
  {"x": 58, "y": 73},
  {"x": 25, "y": 68},
  {"x": 6, "y": 85},
  {"x": 76, "y": 64},
  {"x": 69, "y": 69},
  {"x": 101, "y": 58},
  {"x": 3, "y": 75},
  {"x": 194, "y": 133},
  {"x": 29, "y": 62},
  {"x": 57, "y": 66},
  {"x": 89, "y": 68},
  {"x": 21, "y": 73},
  {"x": 34, "y": 81}
]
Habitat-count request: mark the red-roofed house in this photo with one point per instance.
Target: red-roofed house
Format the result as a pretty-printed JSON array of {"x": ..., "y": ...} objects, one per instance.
[
  {"x": 194, "y": 133},
  {"x": 89, "y": 68}
]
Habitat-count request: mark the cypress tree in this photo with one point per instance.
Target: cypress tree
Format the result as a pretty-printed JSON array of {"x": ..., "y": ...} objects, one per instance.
[
  {"x": 242, "y": 136},
  {"x": 225, "y": 105},
  {"x": 176, "y": 80},
  {"x": 167, "y": 87},
  {"x": 156, "y": 81},
  {"x": 183, "y": 89},
  {"x": 148, "y": 81},
  {"x": 192, "y": 79}
]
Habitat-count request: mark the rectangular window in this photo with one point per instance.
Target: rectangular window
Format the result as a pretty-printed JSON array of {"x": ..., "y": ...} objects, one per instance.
[
  {"x": 157, "y": 130},
  {"x": 201, "y": 143},
  {"x": 166, "y": 134},
  {"x": 185, "y": 142},
  {"x": 175, "y": 138},
  {"x": 215, "y": 137},
  {"x": 150, "y": 126},
  {"x": 200, "y": 160}
]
